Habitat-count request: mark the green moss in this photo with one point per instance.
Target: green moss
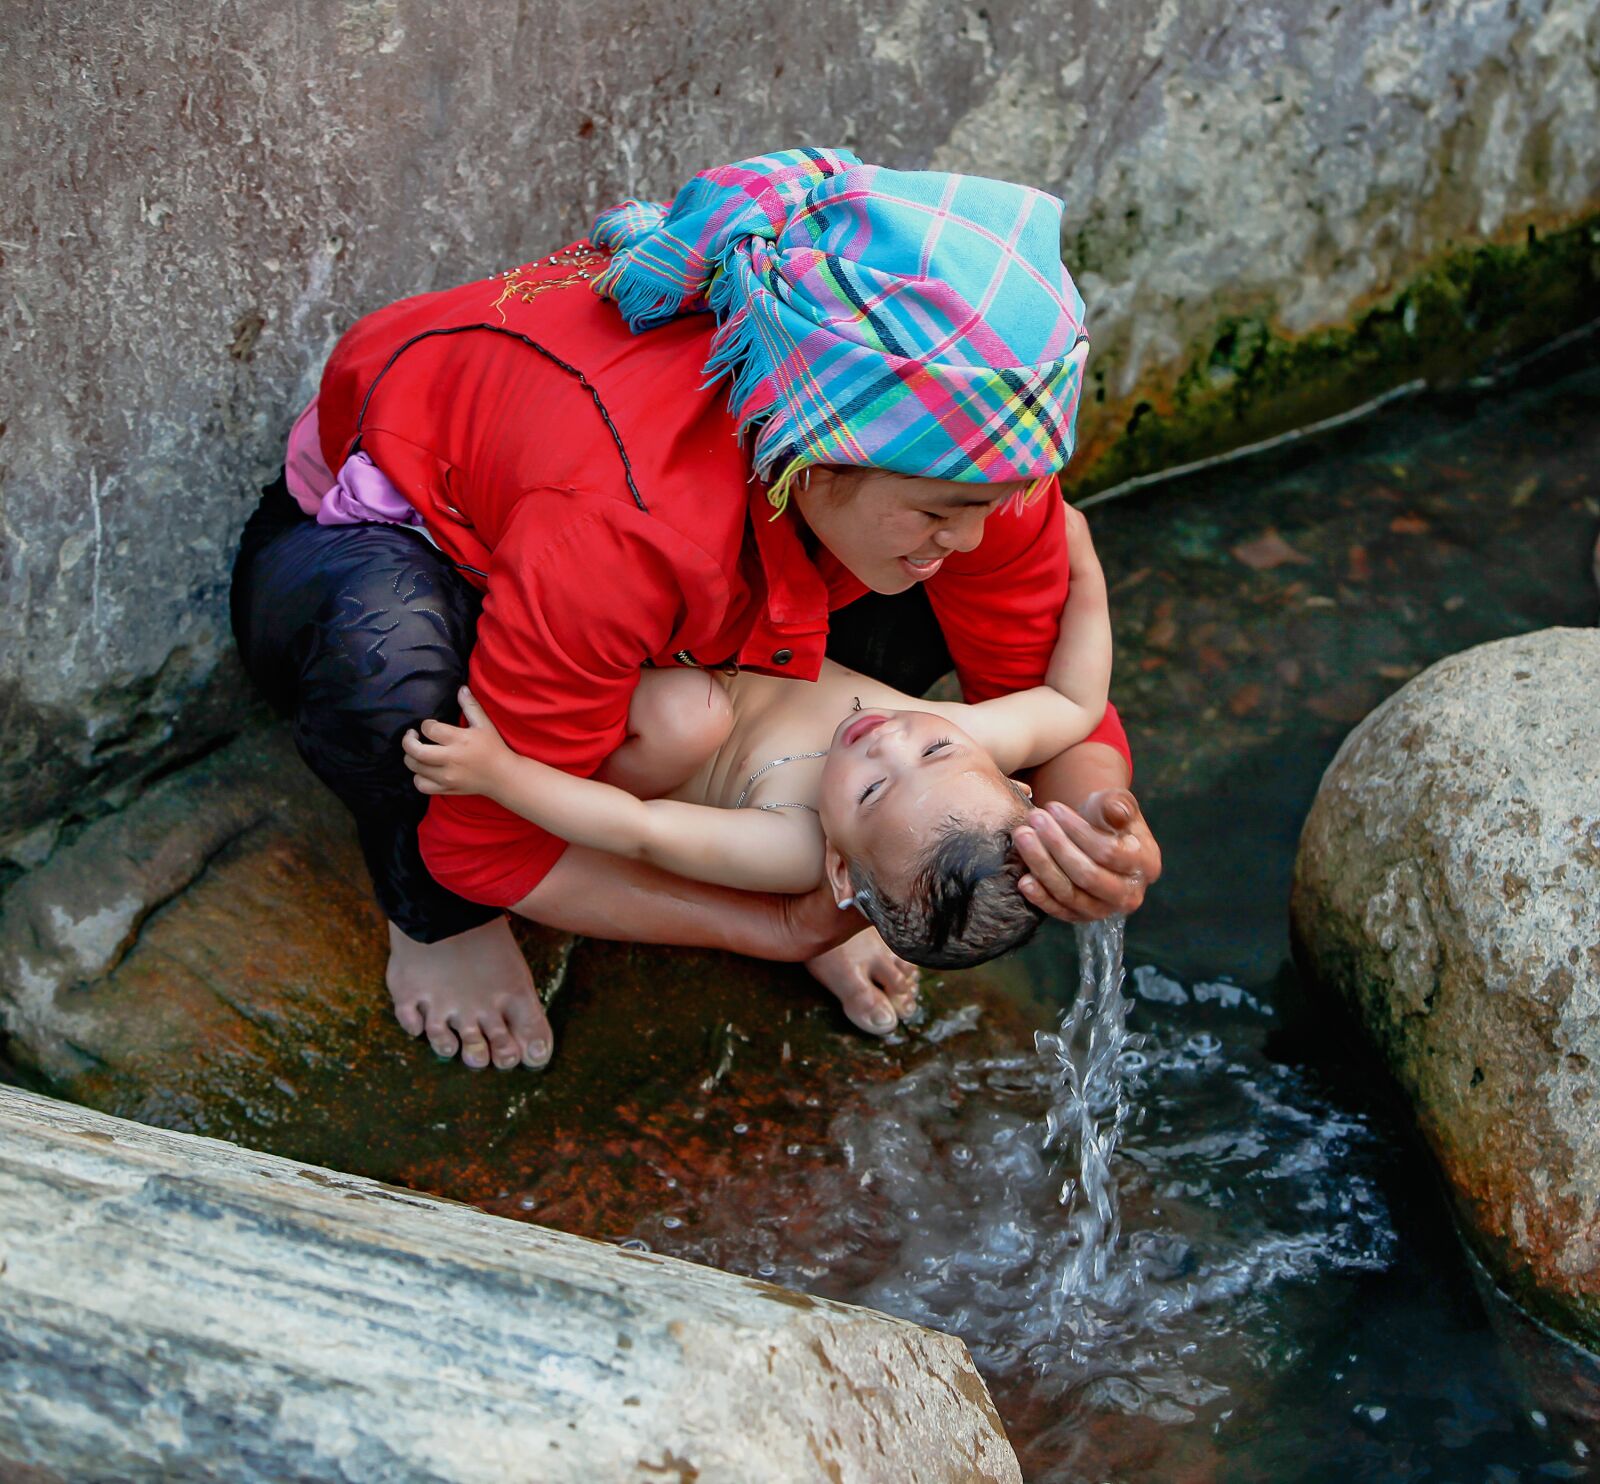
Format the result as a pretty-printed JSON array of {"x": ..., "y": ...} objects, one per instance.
[{"x": 1250, "y": 381}]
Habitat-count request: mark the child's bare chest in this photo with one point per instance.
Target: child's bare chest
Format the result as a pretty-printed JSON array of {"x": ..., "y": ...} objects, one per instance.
[{"x": 780, "y": 735}]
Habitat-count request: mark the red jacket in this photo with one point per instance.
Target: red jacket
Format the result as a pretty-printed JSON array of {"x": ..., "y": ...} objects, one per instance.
[{"x": 590, "y": 483}]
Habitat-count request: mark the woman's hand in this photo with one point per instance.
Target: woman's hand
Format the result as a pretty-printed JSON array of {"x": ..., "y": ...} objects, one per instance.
[
  {"x": 1087, "y": 864},
  {"x": 810, "y": 923},
  {"x": 458, "y": 760}
]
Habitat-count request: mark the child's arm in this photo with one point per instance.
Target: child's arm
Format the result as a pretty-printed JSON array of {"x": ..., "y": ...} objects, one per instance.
[
  {"x": 1080, "y": 665},
  {"x": 754, "y": 849},
  {"x": 1032, "y": 726}
]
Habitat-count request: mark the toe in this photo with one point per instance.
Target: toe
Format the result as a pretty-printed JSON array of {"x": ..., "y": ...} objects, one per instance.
[
  {"x": 529, "y": 1024},
  {"x": 869, "y": 1010},
  {"x": 504, "y": 1049},
  {"x": 910, "y": 988},
  {"x": 898, "y": 981},
  {"x": 538, "y": 1053},
  {"x": 441, "y": 1037},
  {"x": 474, "y": 1046},
  {"x": 410, "y": 1017},
  {"x": 900, "y": 975}
]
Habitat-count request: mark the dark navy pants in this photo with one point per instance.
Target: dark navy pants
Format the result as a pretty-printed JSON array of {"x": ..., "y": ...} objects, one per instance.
[{"x": 356, "y": 633}]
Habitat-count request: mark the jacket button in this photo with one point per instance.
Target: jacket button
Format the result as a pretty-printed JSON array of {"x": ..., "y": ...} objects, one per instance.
[{"x": 782, "y": 656}]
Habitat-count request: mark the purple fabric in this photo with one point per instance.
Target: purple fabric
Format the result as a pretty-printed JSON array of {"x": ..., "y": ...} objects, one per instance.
[{"x": 363, "y": 492}]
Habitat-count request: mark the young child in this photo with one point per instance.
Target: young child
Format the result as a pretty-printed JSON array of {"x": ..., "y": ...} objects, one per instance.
[{"x": 767, "y": 784}]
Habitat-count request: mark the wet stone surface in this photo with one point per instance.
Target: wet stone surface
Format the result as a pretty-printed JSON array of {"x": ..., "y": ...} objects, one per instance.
[
  {"x": 207, "y": 960},
  {"x": 1286, "y": 1301}
]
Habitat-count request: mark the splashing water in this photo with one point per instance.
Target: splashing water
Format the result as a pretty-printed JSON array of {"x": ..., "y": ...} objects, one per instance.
[
  {"x": 1086, "y": 1117},
  {"x": 1119, "y": 1225}
]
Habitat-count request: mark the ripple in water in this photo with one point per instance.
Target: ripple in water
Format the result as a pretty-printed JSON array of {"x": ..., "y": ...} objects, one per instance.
[{"x": 1115, "y": 1223}]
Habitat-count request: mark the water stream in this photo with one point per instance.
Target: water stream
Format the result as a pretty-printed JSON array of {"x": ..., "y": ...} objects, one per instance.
[{"x": 1086, "y": 1115}]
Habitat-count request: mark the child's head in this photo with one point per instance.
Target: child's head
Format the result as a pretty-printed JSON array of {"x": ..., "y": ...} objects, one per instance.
[{"x": 919, "y": 822}]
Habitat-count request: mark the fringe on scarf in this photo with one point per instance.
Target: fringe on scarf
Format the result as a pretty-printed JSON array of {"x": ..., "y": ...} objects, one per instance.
[
  {"x": 737, "y": 353},
  {"x": 644, "y": 301}
]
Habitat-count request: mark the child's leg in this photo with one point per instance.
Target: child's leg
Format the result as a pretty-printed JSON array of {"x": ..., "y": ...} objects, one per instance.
[{"x": 677, "y": 719}]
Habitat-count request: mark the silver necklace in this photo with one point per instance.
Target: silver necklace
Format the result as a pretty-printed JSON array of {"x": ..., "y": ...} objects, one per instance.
[{"x": 777, "y": 762}]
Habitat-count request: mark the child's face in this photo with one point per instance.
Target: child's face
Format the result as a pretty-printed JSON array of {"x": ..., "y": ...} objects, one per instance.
[{"x": 892, "y": 778}]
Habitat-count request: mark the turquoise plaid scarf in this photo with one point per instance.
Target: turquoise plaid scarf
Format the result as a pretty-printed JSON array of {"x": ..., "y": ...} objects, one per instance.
[{"x": 909, "y": 321}]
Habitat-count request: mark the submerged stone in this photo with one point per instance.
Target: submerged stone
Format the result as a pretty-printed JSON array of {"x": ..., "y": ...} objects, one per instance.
[{"x": 1445, "y": 888}]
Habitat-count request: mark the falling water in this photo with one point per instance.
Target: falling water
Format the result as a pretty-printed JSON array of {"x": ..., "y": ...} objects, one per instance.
[{"x": 1086, "y": 1115}]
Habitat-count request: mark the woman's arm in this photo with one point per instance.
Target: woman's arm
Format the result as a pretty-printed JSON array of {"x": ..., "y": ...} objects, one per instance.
[
  {"x": 600, "y": 896},
  {"x": 1088, "y": 848},
  {"x": 1080, "y": 664},
  {"x": 1031, "y": 726},
  {"x": 1090, "y": 852},
  {"x": 749, "y": 848}
]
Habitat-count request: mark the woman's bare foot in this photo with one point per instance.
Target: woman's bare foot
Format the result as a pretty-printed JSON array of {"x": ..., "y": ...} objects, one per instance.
[
  {"x": 472, "y": 993},
  {"x": 877, "y": 987}
]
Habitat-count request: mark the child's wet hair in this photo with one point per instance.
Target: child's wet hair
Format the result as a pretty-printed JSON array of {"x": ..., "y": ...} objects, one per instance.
[{"x": 963, "y": 906}]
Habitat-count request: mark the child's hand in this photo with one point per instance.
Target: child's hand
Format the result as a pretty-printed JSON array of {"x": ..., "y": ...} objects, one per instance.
[{"x": 457, "y": 760}]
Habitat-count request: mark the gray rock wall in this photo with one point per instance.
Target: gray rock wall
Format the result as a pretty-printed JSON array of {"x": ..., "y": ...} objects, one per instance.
[{"x": 200, "y": 197}]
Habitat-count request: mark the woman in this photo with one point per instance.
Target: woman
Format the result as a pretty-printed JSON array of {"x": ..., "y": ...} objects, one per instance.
[{"x": 543, "y": 472}]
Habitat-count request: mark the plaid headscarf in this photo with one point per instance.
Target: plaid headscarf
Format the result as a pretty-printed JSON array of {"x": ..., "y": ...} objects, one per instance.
[{"x": 910, "y": 321}]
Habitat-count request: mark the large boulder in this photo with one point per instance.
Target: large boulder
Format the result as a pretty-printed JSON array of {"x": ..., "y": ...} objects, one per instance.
[
  {"x": 1448, "y": 888},
  {"x": 393, "y": 1336}
]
